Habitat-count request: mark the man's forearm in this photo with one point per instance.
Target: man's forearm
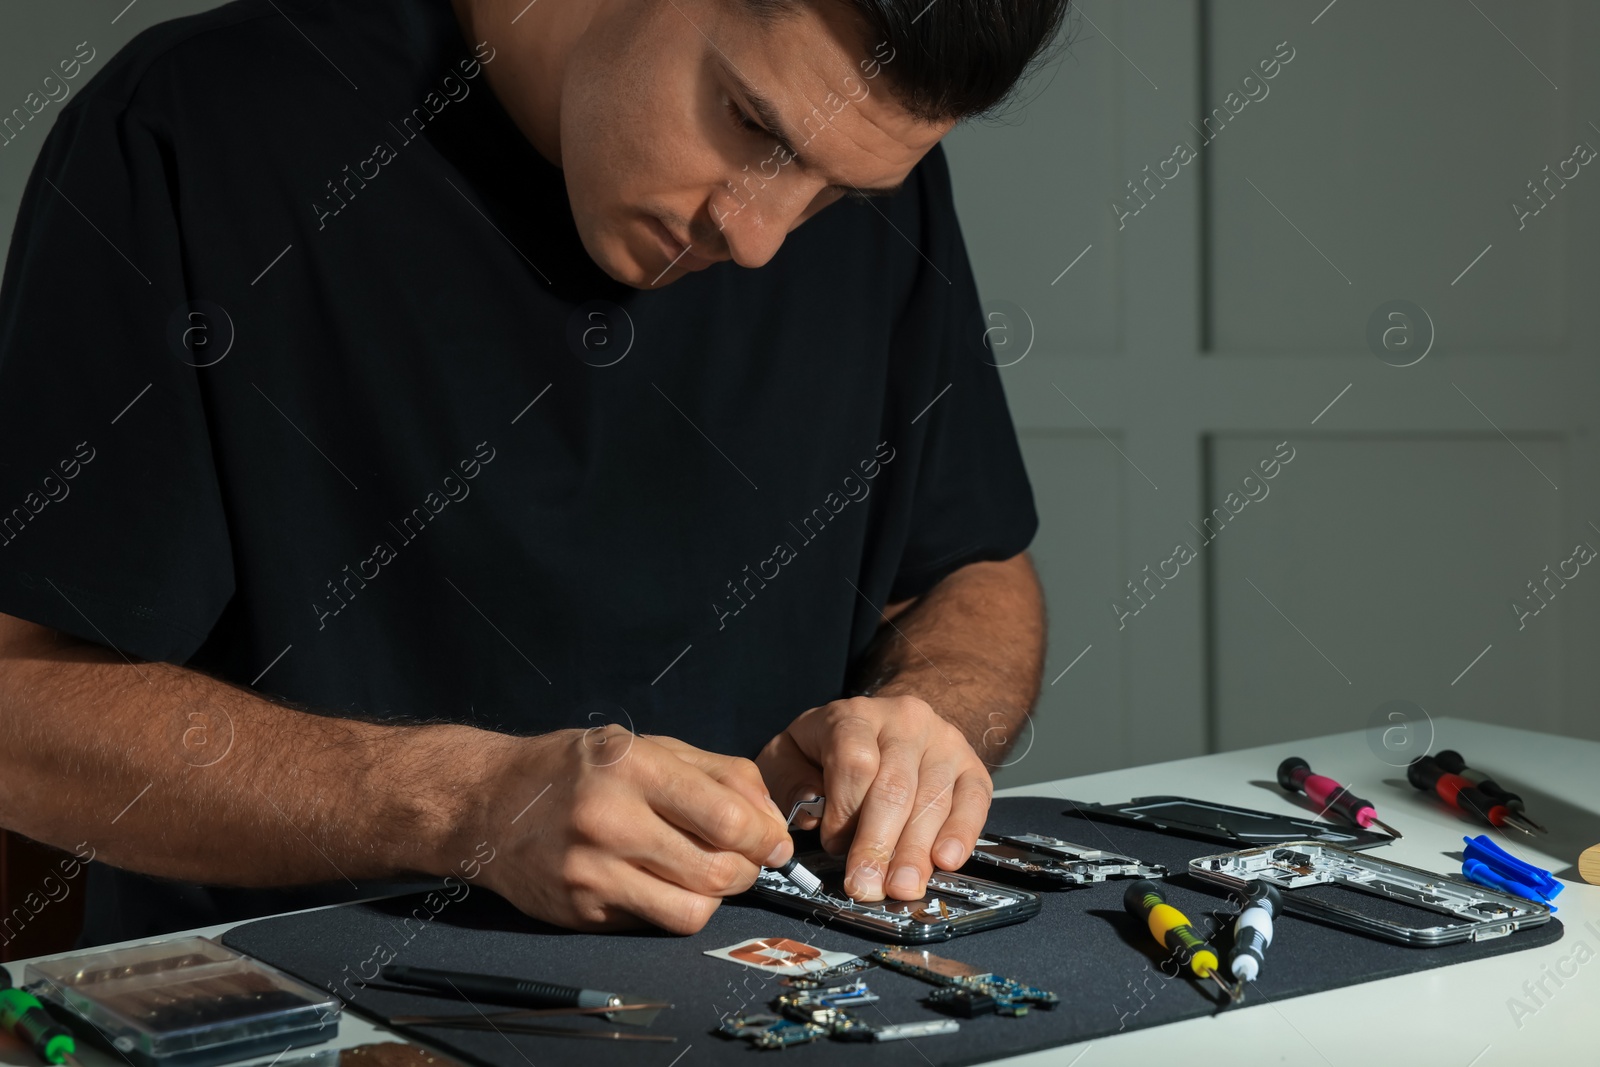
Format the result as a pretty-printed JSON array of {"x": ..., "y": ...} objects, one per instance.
[
  {"x": 972, "y": 647},
  {"x": 169, "y": 772}
]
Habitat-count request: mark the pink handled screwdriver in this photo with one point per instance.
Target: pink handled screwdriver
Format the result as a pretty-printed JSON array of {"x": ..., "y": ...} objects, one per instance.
[{"x": 1294, "y": 774}]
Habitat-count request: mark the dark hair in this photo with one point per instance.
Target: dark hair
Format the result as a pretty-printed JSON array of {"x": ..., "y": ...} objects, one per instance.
[{"x": 950, "y": 59}]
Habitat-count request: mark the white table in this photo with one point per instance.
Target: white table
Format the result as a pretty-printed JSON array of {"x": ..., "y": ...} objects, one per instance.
[{"x": 1458, "y": 1016}]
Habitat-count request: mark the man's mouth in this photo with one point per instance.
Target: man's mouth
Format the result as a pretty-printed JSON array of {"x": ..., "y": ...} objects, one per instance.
[{"x": 679, "y": 253}]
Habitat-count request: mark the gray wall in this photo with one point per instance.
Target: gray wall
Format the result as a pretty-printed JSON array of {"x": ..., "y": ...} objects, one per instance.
[
  {"x": 1230, "y": 314},
  {"x": 1375, "y": 575},
  {"x": 34, "y": 39}
]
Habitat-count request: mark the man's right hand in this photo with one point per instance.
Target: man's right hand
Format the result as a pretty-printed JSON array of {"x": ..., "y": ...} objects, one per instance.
[
  {"x": 591, "y": 828},
  {"x": 623, "y": 828}
]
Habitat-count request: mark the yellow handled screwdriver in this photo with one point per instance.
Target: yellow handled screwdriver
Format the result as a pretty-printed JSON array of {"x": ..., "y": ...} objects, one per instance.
[{"x": 1173, "y": 931}]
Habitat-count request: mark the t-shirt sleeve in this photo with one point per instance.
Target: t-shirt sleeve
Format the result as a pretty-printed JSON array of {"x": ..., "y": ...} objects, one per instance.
[
  {"x": 112, "y": 527},
  {"x": 972, "y": 499}
]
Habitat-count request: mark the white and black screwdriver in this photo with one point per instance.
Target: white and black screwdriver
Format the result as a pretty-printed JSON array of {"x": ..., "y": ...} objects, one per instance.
[{"x": 1252, "y": 933}]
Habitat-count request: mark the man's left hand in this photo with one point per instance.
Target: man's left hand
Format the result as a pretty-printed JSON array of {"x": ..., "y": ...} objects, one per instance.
[{"x": 905, "y": 791}]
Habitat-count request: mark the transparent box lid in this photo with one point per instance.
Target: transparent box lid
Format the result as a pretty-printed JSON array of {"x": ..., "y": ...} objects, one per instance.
[{"x": 183, "y": 996}]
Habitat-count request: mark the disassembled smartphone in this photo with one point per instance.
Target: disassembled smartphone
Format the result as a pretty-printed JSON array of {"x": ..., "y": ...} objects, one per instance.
[
  {"x": 954, "y": 904},
  {"x": 1038, "y": 857},
  {"x": 811, "y": 1014},
  {"x": 1225, "y": 823},
  {"x": 963, "y": 989},
  {"x": 1303, "y": 870}
]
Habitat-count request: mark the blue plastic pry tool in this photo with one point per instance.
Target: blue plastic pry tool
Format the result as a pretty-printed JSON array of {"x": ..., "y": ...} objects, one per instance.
[{"x": 1488, "y": 864}]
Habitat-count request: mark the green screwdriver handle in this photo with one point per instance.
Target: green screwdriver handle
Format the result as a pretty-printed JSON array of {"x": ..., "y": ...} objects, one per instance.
[{"x": 22, "y": 1016}]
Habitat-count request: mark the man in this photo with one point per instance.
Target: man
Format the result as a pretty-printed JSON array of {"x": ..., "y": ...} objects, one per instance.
[{"x": 407, "y": 471}]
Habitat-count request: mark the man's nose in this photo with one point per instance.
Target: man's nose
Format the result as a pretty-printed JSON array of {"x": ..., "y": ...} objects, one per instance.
[{"x": 754, "y": 224}]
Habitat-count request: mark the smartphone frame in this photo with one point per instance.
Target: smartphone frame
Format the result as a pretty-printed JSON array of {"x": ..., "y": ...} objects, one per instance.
[
  {"x": 1293, "y": 865},
  {"x": 893, "y": 921}
]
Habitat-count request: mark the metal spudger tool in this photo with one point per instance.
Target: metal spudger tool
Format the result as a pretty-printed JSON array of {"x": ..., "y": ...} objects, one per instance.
[
  {"x": 796, "y": 872},
  {"x": 1294, "y": 774},
  {"x": 528, "y": 992},
  {"x": 517, "y": 1023}
]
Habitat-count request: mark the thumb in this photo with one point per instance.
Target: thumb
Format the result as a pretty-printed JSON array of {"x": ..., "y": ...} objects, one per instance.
[{"x": 790, "y": 776}]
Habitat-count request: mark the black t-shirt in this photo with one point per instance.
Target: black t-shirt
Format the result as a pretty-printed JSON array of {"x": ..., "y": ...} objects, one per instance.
[{"x": 306, "y": 382}]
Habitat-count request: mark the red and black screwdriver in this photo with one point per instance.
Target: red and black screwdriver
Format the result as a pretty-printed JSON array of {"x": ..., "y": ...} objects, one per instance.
[
  {"x": 1294, "y": 774},
  {"x": 1451, "y": 762},
  {"x": 1467, "y": 798}
]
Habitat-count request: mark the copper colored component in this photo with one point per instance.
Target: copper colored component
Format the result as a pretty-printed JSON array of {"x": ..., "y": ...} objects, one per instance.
[{"x": 393, "y": 1054}]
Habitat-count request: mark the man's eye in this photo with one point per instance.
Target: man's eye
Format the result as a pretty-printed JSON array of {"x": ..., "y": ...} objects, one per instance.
[{"x": 741, "y": 120}]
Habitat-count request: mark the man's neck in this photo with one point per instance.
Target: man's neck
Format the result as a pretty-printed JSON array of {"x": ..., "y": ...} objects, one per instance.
[{"x": 531, "y": 41}]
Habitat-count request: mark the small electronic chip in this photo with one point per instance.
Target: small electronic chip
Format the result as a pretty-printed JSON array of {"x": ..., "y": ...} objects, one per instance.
[
  {"x": 771, "y": 1031},
  {"x": 809, "y": 1014},
  {"x": 829, "y": 1008},
  {"x": 967, "y": 1003},
  {"x": 964, "y": 989},
  {"x": 837, "y": 975}
]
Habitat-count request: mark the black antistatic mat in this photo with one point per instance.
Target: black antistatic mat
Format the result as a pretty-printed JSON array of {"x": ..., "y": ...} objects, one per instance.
[{"x": 1082, "y": 945}]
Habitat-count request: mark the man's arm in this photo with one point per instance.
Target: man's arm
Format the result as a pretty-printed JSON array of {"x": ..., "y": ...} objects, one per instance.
[
  {"x": 972, "y": 647},
  {"x": 948, "y": 677},
  {"x": 170, "y": 772}
]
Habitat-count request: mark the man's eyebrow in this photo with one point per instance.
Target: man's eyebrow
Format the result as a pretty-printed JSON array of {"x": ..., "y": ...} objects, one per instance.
[{"x": 767, "y": 115}]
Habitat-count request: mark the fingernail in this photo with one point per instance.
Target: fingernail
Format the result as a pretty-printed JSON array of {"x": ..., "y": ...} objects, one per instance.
[
  {"x": 779, "y": 855},
  {"x": 866, "y": 883},
  {"x": 906, "y": 883},
  {"x": 777, "y": 811},
  {"x": 948, "y": 853}
]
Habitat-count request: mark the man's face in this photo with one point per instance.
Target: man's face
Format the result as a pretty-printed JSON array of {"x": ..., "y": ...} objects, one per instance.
[{"x": 670, "y": 116}]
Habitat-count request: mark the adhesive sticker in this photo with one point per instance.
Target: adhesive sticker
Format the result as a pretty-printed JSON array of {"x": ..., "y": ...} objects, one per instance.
[{"x": 780, "y": 955}]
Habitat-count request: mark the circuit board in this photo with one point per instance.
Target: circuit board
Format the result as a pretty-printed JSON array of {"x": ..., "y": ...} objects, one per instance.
[
  {"x": 809, "y": 1014},
  {"x": 965, "y": 990},
  {"x": 830, "y": 1009},
  {"x": 771, "y": 1031},
  {"x": 837, "y": 975},
  {"x": 1052, "y": 859}
]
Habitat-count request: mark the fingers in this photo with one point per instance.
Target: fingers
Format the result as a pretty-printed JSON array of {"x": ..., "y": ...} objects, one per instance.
[
  {"x": 912, "y": 862},
  {"x": 722, "y": 817},
  {"x": 884, "y": 812},
  {"x": 944, "y": 823},
  {"x": 658, "y": 834},
  {"x": 687, "y": 862},
  {"x": 740, "y": 775},
  {"x": 969, "y": 810},
  {"x": 674, "y": 909},
  {"x": 791, "y": 777},
  {"x": 905, "y": 790},
  {"x": 618, "y": 895},
  {"x": 844, "y": 741}
]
